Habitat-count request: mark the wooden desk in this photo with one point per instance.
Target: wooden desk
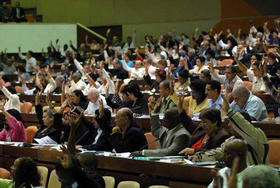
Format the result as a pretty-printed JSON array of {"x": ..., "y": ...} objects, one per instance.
[{"x": 145, "y": 172}]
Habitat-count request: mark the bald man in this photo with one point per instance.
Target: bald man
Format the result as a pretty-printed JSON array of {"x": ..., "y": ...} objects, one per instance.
[
  {"x": 234, "y": 149},
  {"x": 245, "y": 101},
  {"x": 171, "y": 134},
  {"x": 126, "y": 136}
]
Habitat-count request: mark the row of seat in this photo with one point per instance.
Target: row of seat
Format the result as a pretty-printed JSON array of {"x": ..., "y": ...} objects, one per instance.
[{"x": 109, "y": 181}]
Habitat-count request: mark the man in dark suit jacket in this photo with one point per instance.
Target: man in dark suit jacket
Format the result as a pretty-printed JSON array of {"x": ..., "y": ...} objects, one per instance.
[
  {"x": 103, "y": 128},
  {"x": 18, "y": 13},
  {"x": 125, "y": 136},
  {"x": 172, "y": 135}
]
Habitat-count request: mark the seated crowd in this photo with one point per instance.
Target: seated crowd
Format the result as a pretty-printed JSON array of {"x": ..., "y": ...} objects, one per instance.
[{"x": 184, "y": 83}]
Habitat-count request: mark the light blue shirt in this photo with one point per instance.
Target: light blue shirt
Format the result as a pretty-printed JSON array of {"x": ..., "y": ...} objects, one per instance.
[
  {"x": 130, "y": 63},
  {"x": 216, "y": 104},
  {"x": 254, "y": 107}
]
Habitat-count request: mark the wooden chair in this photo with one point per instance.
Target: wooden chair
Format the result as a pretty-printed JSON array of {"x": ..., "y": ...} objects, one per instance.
[
  {"x": 274, "y": 152},
  {"x": 4, "y": 174},
  {"x": 26, "y": 107},
  {"x": 30, "y": 132},
  {"x": 44, "y": 172},
  {"x": 225, "y": 62},
  {"x": 53, "y": 180},
  {"x": 109, "y": 181},
  {"x": 151, "y": 140},
  {"x": 128, "y": 184}
]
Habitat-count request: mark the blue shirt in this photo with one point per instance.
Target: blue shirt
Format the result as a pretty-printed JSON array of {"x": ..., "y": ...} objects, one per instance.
[
  {"x": 216, "y": 104},
  {"x": 254, "y": 107},
  {"x": 130, "y": 63}
]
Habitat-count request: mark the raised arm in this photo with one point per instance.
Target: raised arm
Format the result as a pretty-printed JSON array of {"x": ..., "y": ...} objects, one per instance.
[{"x": 20, "y": 54}]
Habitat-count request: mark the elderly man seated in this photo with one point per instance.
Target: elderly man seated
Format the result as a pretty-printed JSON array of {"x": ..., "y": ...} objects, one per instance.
[
  {"x": 245, "y": 101},
  {"x": 94, "y": 97},
  {"x": 172, "y": 136}
]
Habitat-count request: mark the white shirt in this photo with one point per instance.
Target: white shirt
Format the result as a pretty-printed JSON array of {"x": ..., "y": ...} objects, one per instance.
[
  {"x": 29, "y": 62},
  {"x": 223, "y": 173},
  {"x": 198, "y": 70},
  {"x": 99, "y": 132},
  {"x": 80, "y": 85},
  {"x": 258, "y": 83},
  {"x": 92, "y": 107},
  {"x": 13, "y": 100},
  {"x": 110, "y": 84}
]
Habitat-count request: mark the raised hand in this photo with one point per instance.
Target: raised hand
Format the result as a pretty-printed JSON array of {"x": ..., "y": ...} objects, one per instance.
[
  {"x": 211, "y": 67},
  {"x": 225, "y": 105},
  {"x": 180, "y": 103},
  {"x": 38, "y": 97},
  {"x": 101, "y": 108}
]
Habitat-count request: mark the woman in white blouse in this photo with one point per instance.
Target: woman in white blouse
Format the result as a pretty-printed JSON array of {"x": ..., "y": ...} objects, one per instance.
[{"x": 200, "y": 65}]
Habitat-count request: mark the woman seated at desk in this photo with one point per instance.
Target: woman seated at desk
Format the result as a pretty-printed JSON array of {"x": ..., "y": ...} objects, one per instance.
[
  {"x": 198, "y": 101},
  {"x": 209, "y": 134},
  {"x": 50, "y": 122}
]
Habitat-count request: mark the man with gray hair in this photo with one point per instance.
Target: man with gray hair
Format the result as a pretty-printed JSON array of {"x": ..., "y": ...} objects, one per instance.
[
  {"x": 245, "y": 101},
  {"x": 261, "y": 176},
  {"x": 94, "y": 99}
]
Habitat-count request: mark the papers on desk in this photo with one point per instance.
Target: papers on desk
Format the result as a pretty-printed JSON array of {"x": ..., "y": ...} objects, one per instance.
[
  {"x": 45, "y": 141},
  {"x": 11, "y": 143}
]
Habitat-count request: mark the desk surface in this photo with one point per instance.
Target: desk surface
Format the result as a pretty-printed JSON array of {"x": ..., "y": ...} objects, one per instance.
[{"x": 145, "y": 172}]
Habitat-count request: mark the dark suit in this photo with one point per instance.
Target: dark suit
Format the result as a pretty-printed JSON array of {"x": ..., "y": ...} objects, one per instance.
[
  {"x": 84, "y": 132},
  {"x": 54, "y": 131},
  {"x": 132, "y": 140},
  {"x": 21, "y": 14},
  {"x": 102, "y": 144},
  {"x": 214, "y": 141},
  {"x": 140, "y": 107}
]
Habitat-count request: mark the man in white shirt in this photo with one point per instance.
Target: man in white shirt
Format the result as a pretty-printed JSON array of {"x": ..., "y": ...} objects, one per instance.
[
  {"x": 76, "y": 83},
  {"x": 235, "y": 149},
  {"x": 94, "y": 97},
  {"x": 230, "y": 79},
  {"x": 30, "y": 61}
]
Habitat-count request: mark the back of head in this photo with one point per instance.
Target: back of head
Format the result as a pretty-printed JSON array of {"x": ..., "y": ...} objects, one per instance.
[
  {"x": 261, "y": 176},
  {"x": 134, "y": 89},
  {"x": 88, "y": 160},
  {"x": 25, "y": 172},
  {"x": 198, "y": 86},
  {"x": 127, "y": 113},
  {"x": 184, "y": 74},
  {"x": 15, "y": 114},
  {"x": 241, "y": 91}
]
